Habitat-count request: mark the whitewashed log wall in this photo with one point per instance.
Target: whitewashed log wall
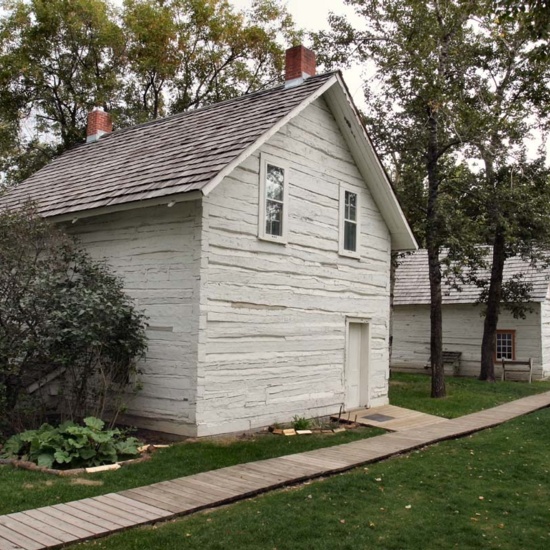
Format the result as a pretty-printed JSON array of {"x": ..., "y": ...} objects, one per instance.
[
  {"x": 157, "y": 251},
  {"x": 245, "y": 332},
  {"x": 463, "y": 331},
  {"x": 273, "y": 316},
  {"x": 545, "y": 336}
]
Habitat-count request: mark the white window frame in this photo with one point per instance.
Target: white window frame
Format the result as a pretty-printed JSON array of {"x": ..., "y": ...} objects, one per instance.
[
  {"x": 342, "y": 219},
  {"x": 262, "y": 233}
]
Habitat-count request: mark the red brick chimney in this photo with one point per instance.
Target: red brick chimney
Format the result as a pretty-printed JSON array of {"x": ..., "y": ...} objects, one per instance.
[
  {"x": 99, "y": 123},
  {"x": 300, "y": 64}
]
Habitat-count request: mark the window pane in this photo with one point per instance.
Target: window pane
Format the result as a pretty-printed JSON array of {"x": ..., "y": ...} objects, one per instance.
[
  {"x": 350, "y": 236},
  {"x": 505, "y": 345},
  {"x": 274, "y": 218},
  {"x": 275, "y": 182},
  {"x": 351, "y": 206}
]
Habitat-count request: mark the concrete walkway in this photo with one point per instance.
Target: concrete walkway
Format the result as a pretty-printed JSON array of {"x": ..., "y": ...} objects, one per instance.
[{"x": 55, "y": 526}]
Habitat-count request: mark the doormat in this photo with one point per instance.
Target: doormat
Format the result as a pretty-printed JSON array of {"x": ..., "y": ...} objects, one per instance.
[{"x": 378, "y": 417}]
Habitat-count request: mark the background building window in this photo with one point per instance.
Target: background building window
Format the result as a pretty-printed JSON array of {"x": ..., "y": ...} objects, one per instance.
[{"x": 505, "y": 344}]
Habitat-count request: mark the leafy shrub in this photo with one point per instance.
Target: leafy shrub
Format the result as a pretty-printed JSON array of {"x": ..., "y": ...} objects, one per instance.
[
  {"x": 63, "y": 318},
  {"x": 301, "y": 423},
  {"x": 71, "y": 445}
]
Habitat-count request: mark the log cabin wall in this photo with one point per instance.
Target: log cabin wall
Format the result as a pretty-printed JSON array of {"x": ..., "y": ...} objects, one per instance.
[
  {"x": 157, "y": 252},
  {"x": 273, "y": 316}
]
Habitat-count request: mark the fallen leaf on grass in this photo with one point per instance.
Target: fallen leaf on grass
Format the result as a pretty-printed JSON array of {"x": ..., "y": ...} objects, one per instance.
[
  {"x": 47, "y": 483},
  {"x": 87, "y": 482}
]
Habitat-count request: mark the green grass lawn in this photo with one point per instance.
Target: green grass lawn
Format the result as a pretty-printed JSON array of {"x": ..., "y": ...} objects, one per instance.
[
  {"x": 489, "y": 490},
  {"x": 22, "y": 489},
  {"x": 464, "y": 395}
]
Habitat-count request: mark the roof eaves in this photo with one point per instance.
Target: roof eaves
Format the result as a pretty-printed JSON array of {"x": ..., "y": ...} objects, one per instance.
[{"x": 64, "y": 215}]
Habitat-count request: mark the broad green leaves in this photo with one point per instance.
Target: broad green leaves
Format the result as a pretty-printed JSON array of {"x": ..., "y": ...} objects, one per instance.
[{"x": 72, "y": 445}]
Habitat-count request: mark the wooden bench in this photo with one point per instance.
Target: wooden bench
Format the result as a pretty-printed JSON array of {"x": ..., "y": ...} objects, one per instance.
[
  {"x": 450, "y": 359},
  {"x": 517, "y": 366}
]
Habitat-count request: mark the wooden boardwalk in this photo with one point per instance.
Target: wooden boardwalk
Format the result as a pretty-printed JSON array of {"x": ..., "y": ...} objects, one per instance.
[
  {"x": 61, "y": 524},
  {"x": 390, "y": 417}
]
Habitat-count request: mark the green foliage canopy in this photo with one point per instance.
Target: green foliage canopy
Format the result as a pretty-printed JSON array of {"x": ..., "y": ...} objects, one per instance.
[
  {"x": 146, "y": 59},
  {"x": 453, "y": 82},
  {"x": 186, "y": 53}
]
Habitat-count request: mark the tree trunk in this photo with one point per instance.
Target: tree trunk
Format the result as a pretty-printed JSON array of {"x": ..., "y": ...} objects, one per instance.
[
  {"x": 436, "y": 323},
  {"x": 434, "y": 265},
  {"x": 487, "y": 371}
]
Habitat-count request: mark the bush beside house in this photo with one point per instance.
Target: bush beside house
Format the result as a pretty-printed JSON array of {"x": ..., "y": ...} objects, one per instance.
[{"x": 69, "y": 335}]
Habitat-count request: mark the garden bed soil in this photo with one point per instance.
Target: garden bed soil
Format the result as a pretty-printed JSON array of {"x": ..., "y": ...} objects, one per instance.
[{"x": 26, "y": 465}]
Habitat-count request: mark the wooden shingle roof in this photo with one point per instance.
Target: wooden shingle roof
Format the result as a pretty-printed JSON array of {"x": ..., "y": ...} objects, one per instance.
[
  {"x": 412, "y": 286},
  {"x": 185, "y": 156},
  {"x": 168, "y": 156}
]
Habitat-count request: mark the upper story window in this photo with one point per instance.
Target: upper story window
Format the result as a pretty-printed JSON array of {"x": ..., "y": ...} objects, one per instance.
[
  {"x": 349, "y": 223},
  {"x": 273, "y": 218},
  {"x": 505, "y": 344}
]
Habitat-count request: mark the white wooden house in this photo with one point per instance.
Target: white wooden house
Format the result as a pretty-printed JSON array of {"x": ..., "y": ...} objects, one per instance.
[
  {"x": 517, "y": 339},
  {"x": 256, "y": 234}
]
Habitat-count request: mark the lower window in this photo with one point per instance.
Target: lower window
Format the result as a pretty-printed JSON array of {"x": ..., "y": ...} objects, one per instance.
[{"x": 505, "y": 344}]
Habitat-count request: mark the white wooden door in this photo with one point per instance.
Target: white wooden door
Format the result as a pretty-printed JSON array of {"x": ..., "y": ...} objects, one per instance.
[{"x": 356, "y": 371}]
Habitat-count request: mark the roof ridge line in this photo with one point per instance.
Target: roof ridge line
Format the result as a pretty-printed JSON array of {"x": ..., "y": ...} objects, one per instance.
[{"x": 204, "y": 108}]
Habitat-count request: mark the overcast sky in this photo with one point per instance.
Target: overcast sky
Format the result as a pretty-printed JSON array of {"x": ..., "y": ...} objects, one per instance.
[
  {"x": 312, "y": 15},
  {"x": 308, "y": 14}
]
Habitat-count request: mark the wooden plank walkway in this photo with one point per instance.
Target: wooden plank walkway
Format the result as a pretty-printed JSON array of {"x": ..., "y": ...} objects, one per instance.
[
  {"x": 390, "y": 417},
  {"x": 61, "y": 524}
]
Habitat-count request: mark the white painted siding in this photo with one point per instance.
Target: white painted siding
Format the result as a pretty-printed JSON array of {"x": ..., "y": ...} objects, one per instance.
[
  {"x": 273, "y": 316},
  {"x": 545, "y": 336},
  {"x": 462, "y": 331},
  {"x": 157, "y": 251}
]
